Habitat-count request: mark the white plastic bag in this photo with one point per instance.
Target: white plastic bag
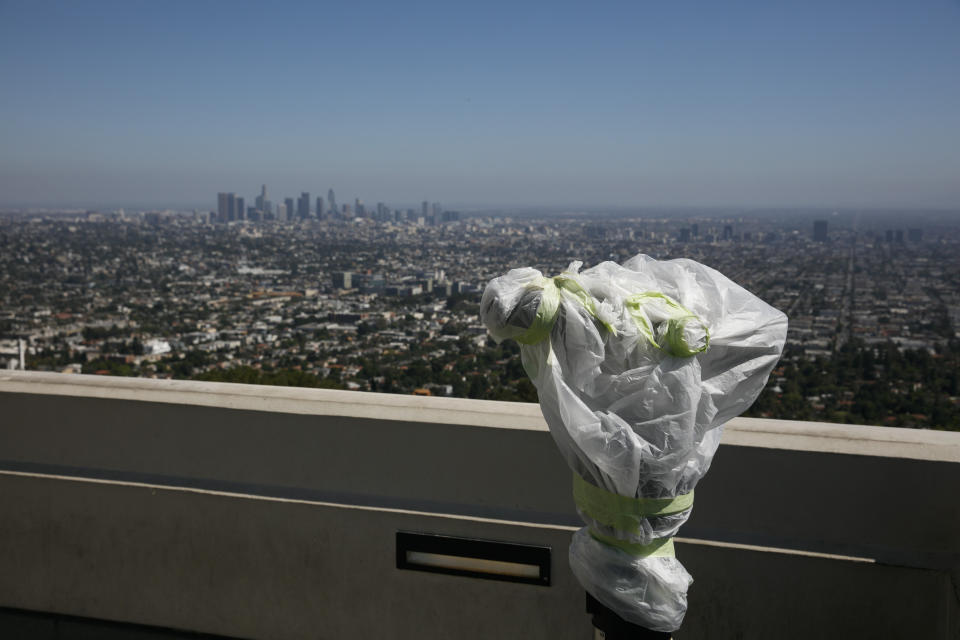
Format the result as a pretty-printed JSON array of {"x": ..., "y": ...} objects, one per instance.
[{"x": 637, "y": 368}]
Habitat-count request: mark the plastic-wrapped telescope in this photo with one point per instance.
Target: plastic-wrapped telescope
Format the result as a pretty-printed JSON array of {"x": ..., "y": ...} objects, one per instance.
[{"x": 637, "y": 367}]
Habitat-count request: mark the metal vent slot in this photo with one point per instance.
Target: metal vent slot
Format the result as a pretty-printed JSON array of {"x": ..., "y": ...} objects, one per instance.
[{"x": 473, "y": 558}]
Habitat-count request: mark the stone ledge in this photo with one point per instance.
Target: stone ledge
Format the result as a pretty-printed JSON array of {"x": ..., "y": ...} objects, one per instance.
[{"x": 891, "y": 442}]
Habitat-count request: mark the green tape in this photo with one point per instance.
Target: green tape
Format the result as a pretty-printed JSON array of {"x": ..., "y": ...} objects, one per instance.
[
  {"x": 620, "y": 512},
  {"x": 634, "y": 306},
  {"x": 549, "y": 307},
  {"x": 677, "y": 340},
  {"x": 674, "y": 340},
  {"x": 546, "y": 313}
]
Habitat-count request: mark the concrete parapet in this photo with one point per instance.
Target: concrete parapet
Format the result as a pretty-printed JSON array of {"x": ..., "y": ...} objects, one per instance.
[{"x": 265, "y": 512}]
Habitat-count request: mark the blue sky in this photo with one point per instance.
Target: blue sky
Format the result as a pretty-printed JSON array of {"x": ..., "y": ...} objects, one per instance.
[{"x": 753, "y": 103}]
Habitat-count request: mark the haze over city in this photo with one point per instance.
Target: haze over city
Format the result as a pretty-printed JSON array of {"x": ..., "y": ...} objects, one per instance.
[{"x": 115, "y": 104}]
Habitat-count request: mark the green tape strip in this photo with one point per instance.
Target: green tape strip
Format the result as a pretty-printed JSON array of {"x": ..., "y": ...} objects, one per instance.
[
  {"x": 659, "y": 548},
  {"x": 546, "y": 313},
  {"x": 675, "y": 339},
  {"x": 620, "y": 512},
  {"x": 634, "y": 306},
  {"x": 550, "y": 306}
]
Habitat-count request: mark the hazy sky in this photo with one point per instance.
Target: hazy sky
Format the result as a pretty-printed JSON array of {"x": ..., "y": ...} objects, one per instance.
[{"x": 834, "y": 103}]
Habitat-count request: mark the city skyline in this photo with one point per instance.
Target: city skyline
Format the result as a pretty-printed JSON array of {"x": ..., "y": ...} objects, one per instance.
[
  {"x": 232, "y": 207},
  {"x": 799, "y": 105}
]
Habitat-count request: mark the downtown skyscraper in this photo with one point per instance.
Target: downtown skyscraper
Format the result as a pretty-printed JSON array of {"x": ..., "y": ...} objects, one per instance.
[
  {"x": 262, "y": 203},
  {"x": 332, "y": 202},
  {"x": 230, "y": 207},
  {"x": 303, "y": 206}
]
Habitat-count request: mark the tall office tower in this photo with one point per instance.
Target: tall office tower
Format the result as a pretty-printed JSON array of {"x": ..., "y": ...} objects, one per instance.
[
  {"x": 239, "y": 211},
  {"x": 282, "y": 212},
  {"x": 332, "y": 202},
  {"x": 695, "y": 230},
  {"x": 231, "y": 207},
  {"x": 381, "y": 212},
  {"x": 303, "y": 206},
  {"x": 291, "y": 210},
  {"x": 728, "y": 232},
  {"x": 261, "y": 200},
  {"x": 359, "y": 208},
  {"x": 436, "y": 210},
  {"x": 223, "y": 207},
  {"x": 321, "y": 214},
  {"x": 342, "y": 279},
  {"x": 820, "y": 230},
  {"x": 424, "y": 208}
]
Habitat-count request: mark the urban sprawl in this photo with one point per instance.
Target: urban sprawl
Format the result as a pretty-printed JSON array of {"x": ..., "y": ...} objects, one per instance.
[{"x": 313, "y": 293}]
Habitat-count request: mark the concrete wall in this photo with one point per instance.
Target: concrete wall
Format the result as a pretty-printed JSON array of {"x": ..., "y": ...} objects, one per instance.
[{"x": 260, "y": 512}]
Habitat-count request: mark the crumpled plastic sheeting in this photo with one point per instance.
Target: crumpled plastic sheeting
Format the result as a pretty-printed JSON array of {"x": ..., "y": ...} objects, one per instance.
[{"x": 628, "y": 414}]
